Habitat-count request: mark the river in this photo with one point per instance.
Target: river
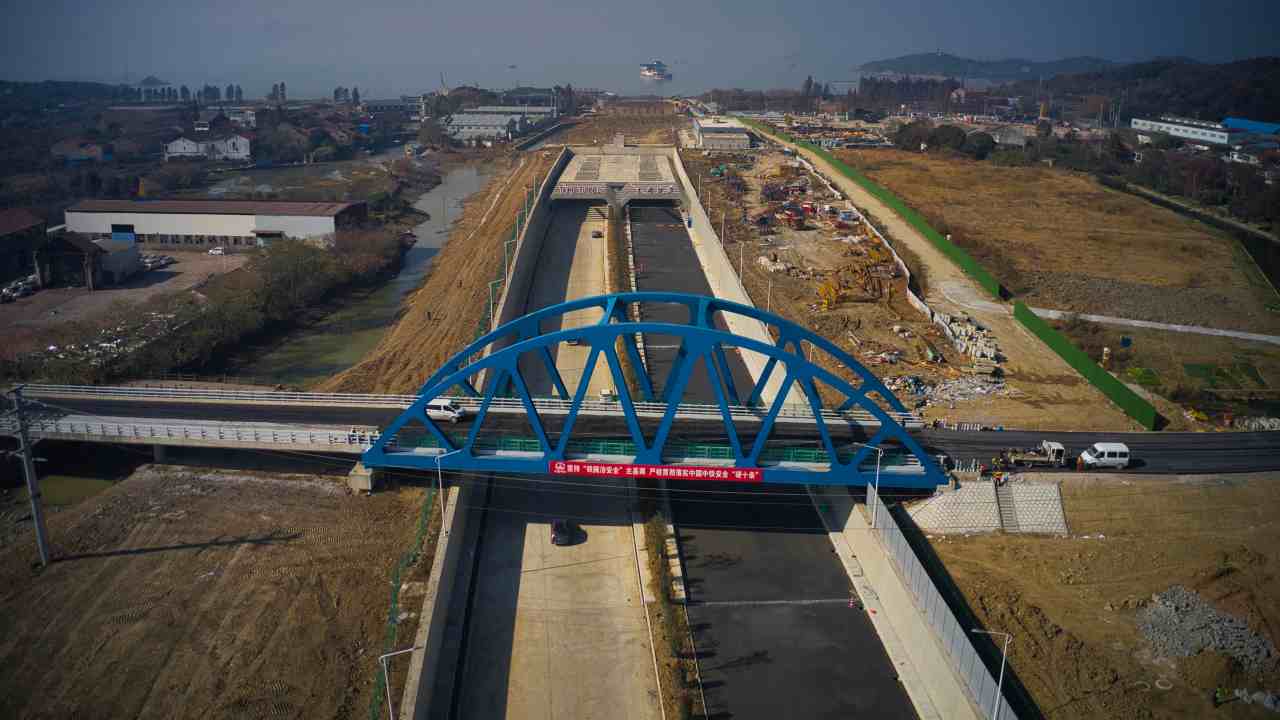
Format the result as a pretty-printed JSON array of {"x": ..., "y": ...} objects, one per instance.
[{"x": 321, "y": 350}]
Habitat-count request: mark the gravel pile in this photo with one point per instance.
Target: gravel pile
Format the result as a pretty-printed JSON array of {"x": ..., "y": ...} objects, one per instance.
[{"x": 1179, "y": 623}]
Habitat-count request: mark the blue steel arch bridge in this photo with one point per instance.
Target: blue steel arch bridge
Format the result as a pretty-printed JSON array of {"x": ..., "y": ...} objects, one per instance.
[{"x": 811, "y": 413}]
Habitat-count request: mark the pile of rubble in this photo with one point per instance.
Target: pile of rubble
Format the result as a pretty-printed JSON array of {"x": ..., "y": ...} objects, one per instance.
[
  {"x": 1256, "y": 423},
  {"x": 1179, "y": 623},
  {"x": 970, "y": 338},
  {"x": 948, "y": 391}
]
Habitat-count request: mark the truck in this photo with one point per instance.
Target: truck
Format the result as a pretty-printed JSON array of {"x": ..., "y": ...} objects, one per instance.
[{"x": 1047, "y": 454}]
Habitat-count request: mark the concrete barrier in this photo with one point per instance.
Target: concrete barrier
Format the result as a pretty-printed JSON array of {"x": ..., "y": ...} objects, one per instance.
[
  {"x": 457, "y": 530},
  {"x": 723, "y": 278},
  {"x": 424, "y": 663},
  {"x": 520, "y": 276}
]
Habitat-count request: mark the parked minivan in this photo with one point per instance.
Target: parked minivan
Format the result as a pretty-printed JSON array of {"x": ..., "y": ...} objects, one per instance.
[
  {"x": 445, "y": 410},
  {"x": 1106, "y": 455}
]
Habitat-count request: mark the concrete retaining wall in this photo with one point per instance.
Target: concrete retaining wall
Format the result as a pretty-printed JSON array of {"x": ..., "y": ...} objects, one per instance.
[
  {"x": 528, "y": 245},
  {"x": 450, "y": 545},
  {"x": 723, "y": 278},
  {"x": 454, "y": 539}
]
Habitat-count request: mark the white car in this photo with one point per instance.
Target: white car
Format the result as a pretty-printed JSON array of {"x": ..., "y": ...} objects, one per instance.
[
  {"x": 1106, "y": 455},
  {"x": 217, "y": 251},
  {"x": 445, "y": 410}
]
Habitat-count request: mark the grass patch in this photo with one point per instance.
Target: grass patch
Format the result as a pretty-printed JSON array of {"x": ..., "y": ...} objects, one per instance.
[{"x": 1145, "y": 377}]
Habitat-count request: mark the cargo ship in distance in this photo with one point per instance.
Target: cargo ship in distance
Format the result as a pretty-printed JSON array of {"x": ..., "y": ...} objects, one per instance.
[{"x": 656, "y": 70}]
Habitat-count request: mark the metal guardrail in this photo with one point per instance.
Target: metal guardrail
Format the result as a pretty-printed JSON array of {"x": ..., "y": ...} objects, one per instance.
[
  {"x": 955, "y": 640},
  {"x": 789, "y": 413},
  {"x": 181, "y": 433}
]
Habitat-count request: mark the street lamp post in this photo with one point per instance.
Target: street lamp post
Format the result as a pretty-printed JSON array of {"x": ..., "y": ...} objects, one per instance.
[
  {"x": 1004, "y": 656},
  {"x": 386, "y": 678},
  {"x": 879, "y": 459},
  {"x": 440, "y": 478}
]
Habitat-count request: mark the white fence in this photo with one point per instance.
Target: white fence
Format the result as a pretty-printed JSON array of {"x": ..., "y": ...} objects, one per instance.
[{"x": 953, "y": 636}]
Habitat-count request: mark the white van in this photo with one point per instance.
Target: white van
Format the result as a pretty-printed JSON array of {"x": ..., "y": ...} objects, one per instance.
[
  {"x": 445, "y": 410},
  {"x": 1106, "y": 455}
]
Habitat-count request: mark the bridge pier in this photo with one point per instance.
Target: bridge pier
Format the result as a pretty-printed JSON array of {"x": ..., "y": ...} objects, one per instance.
[
  {"x": 362, "y": 479},
  {"x": 160, "y": 454}
]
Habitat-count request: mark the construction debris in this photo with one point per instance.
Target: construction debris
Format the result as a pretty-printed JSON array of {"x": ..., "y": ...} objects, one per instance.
[
  {"x": 1256, "y": 423},
  {"x": 969, "y": 337},
  {"x": 1180, "y": 623}
]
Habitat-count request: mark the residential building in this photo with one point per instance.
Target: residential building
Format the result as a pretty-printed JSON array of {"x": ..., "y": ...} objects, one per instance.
[
  {"x": 204, "y": 223},
  {"x": 233, "y": 147},
  {"x": 21, "y": 234},
  {"x": 1194, "y": 130},
  {"x": 405, "y": 104},
  {"x": 721, "y": 133},
  {"x": 243, "y": 117}
]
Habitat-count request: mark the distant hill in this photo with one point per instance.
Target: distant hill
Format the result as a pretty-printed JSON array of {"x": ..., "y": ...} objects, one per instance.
[
  {"x": 999, "y": 70},
  {"x": 1245, "y": 88}
]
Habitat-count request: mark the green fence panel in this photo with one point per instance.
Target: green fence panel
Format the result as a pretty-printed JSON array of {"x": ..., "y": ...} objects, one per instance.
[
  {"x": 391, "y": 633},
  {"x": 1127, "y": 400},
  {"x": 954, "y": 252}
]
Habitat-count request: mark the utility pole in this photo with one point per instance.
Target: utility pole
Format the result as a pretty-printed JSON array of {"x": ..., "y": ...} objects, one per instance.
[{"x": 29, "y": 473}]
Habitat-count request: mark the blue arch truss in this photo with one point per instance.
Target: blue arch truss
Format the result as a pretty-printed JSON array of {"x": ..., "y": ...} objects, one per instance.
[{"x": 826, "y": 441}]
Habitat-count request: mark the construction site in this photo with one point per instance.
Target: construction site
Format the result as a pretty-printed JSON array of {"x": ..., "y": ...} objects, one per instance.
[{"x": 804, "y": 251}]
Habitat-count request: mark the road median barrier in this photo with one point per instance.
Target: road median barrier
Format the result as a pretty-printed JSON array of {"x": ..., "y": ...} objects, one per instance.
[{"x": 1130, "y": 402}]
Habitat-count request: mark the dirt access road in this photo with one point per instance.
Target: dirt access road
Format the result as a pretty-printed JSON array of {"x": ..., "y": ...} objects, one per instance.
[
  {"x": 1048, "y": 394},
  {"x": 1072, "y": 604},
  {"x": 186, "y": 592}
]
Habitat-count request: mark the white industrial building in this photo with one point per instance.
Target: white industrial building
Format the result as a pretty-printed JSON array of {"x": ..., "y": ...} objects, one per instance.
[
  {"x": 485, "y": 127},
  {"x": 1193, "y": 130},
  {"x": 232, "y": 147},
  {"x": 535, "y": 113},
  {"x": 226, "y": 223},
  {"x": 721, "y": 133}
]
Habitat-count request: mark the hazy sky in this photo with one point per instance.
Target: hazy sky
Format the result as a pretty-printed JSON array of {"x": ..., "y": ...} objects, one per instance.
[{"x": 387, "y": 47}]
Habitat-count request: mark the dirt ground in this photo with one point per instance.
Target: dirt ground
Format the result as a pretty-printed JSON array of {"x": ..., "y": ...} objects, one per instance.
[
  {"x": 1072, "y": 603},
  {"x": 639, "y": 130},
  {"x": 1205, "y": 381},
  {"x": 1061, "y": 240},
  {"x": 32, "y": 322},
  {"x": 188, "y": 592},
  {"x": 1041, "y": 391}
]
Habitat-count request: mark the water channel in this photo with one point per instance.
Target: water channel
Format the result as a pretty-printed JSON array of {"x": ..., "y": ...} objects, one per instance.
[{"x": 343, "y": 337}]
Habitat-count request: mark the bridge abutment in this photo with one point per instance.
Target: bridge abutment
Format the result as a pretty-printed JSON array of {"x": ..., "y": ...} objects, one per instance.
[{"x": 160, "y": 454}]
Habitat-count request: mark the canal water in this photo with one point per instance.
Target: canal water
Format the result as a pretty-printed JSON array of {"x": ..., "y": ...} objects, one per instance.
[{"x": 319, "y": 351}]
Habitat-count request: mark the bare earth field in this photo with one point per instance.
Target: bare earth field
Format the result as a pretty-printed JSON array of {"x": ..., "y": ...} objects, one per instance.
[
  {"x": 1072, "y": 604},
  {"x": 187, "y": 592},
  {"x": 1042, "y": 391},
  {"x": 1060, "y": 240},
  {"x": 27, "y": 322}
]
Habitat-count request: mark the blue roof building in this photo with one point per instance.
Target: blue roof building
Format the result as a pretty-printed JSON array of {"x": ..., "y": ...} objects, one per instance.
[{"x": 1253, "y": 126}]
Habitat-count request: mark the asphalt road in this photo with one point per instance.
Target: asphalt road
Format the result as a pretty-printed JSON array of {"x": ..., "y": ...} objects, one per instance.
[{"x": 769, "y": 599}]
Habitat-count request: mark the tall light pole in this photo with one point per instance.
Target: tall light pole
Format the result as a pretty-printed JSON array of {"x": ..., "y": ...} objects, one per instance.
[
  {"x": 879, "y": 459},
  {"x": 1004, "y": 656},
  {"x": 440, "y": 478},
  {"x": 29, "y": 474},
  {"x": 386, "y": 678}
]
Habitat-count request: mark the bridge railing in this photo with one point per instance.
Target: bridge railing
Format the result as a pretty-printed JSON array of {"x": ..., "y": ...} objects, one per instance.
[
  {"x": 790, "y": 412},
  {"x": 184, "y": 433},
  {"x": 932, "y": 606}
]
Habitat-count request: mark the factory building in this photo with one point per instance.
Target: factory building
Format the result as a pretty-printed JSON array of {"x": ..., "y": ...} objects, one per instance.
[
  {"x": 535, "y": 113},
  {"x": 721, "y": 133},
  {"x": 486, "y": 127},
  {"x": 1193, "y": 130},
  {"x": 208, "y": 223}
]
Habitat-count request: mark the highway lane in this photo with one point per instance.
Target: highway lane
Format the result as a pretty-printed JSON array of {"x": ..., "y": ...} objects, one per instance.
[
  {"x": 1153, "y": 452},
  {"x": 772, "y": 623}
]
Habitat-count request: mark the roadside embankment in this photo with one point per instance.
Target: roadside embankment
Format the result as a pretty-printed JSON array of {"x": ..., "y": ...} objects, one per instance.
[{"x": 442, "y": 316}]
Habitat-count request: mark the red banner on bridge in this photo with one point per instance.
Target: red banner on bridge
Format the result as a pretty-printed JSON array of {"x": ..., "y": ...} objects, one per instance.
[{"x": 655, "y": 472}]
